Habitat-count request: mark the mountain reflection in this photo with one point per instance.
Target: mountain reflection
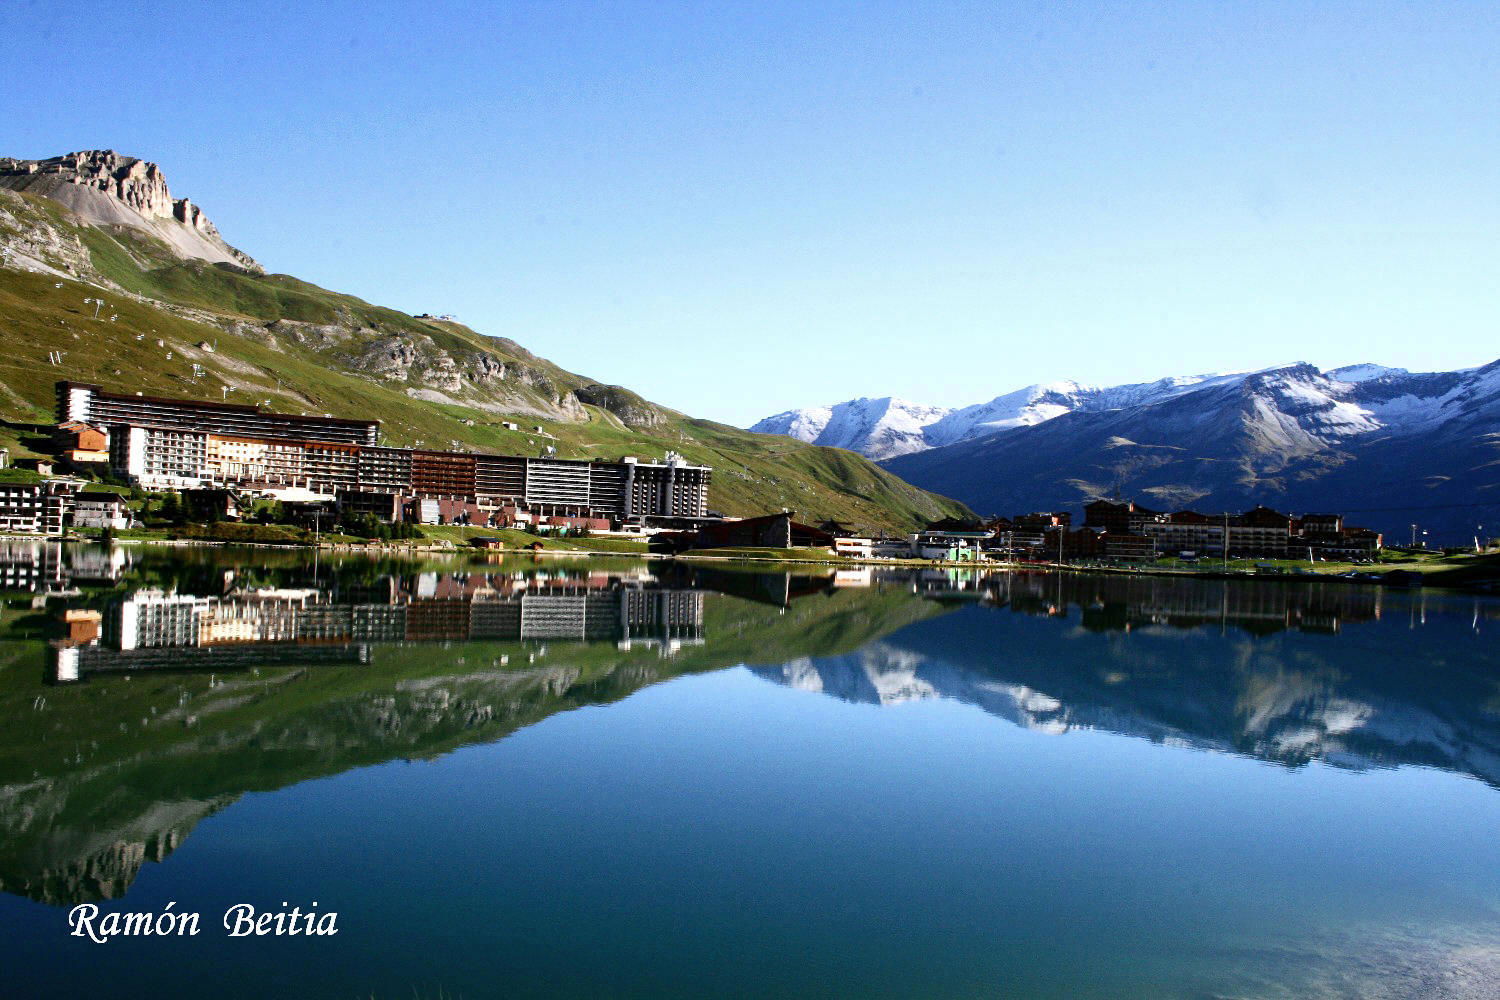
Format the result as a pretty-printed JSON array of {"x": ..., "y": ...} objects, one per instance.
[
  {"x": 1354, "y": 677},
  {"x": 144, "y": 690}
]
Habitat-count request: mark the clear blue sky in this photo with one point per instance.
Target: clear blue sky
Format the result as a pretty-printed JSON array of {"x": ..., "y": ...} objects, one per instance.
[{"x": 740, "y": 209}]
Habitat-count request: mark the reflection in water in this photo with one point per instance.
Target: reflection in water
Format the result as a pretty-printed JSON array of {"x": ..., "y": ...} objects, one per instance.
[
  {"x": 154, "y": 629},
  {"x": 158, "y": 705},
  {"x": 188, "y": 680},
  {"x": 52, "y": 569},
  {"x": 1107, "y": 603},
  {"x": 1203, "y": 664}
]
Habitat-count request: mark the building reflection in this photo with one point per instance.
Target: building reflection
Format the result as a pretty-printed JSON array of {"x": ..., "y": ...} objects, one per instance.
[
  {"x": 1122, "y": 603},
  {"x": 51, "y": 569},
  {"x": 154, "y": 629},
  {"x": 247, "y": 625}
]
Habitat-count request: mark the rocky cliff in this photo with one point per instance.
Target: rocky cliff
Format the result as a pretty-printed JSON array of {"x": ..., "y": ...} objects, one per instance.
[{"x": 111, "y": 189}]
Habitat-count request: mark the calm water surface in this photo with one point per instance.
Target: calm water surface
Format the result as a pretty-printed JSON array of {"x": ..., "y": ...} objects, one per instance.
[{"x": 603, "y": 778}]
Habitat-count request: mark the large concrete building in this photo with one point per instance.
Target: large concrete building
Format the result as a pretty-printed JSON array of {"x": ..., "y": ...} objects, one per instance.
[
  {"x": 171, "y": 444},
  {"x": 92, "y": 405}
]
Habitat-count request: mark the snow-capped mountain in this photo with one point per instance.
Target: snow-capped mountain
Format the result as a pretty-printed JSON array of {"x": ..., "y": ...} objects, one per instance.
[
  {"x": 1037, "y": 404},
  {"x": 887, "y": 427},
  {"x": 878, "y": 428},
  {"x": 1363, "y": 373},
  {"x": 1357, "y": 398},
  {"x": 1394, "y": 445}
]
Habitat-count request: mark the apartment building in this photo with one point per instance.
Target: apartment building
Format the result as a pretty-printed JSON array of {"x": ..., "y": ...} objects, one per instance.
[
  {"x": 673, "y": 487},
  {"x": 252, "y": 460},
  {"x": 92, "y": 405},
  {"x": 1122, "y": 516},
  {"x": 1258, "y": 533},
  {"x": 159, "y": 457},
  {"x": 1123, "y": 546},
  {"x": 1124, "y": 530},
  {"x": 1188, "y": 531},
  {"x": 328, "y": 467},
  {"x": 383, "y": 469},
  {"x": 167, "y": 444},
  {"x": 37, "y": 508}
]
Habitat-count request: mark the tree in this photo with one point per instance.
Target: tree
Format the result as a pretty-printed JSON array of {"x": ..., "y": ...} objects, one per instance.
[{"x": 171, "y": 509}]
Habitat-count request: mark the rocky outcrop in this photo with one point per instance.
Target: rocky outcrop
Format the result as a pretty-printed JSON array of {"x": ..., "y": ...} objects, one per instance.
[
  {"x": 388, "y": 358},
  {"x": 476, "y": 378},
  {"x": 138, "y": 184},
  {"x": 110, "y": 189},
  {"x": 54, "y": 862},
  {"x": 632, "y": 410},
  {"x": 32, "y": 241}
]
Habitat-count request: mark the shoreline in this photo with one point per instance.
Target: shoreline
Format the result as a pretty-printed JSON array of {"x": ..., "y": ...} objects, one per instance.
[{"x": 1489, "y": 586}]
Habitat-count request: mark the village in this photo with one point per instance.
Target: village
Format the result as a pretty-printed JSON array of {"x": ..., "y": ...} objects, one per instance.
[{"x": 217, "y": 462}]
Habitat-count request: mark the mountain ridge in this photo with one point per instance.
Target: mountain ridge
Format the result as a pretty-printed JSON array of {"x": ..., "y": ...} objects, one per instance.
[
  {"x": 1397, "y": 448},
  {"x": 887, "y": 427}
]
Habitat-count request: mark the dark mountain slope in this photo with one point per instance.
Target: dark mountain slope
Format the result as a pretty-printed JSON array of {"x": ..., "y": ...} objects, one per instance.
[{"x": 1397, "y": 449}]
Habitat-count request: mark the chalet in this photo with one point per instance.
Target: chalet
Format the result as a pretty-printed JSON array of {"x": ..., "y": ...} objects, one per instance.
[
  {"x": 211, "y": 504},
  {"x": 81, "y": 443}
]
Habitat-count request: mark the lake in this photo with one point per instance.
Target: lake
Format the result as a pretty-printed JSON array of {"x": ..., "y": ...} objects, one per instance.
[{"x": 611, "y": 778}]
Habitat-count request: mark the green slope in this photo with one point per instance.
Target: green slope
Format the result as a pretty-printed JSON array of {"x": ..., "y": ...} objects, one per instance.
[{"x": 284, "y": 343}]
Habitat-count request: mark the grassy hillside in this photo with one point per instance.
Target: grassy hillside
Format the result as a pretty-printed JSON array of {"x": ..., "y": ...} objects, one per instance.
[{"x": 283, "y": 343}]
